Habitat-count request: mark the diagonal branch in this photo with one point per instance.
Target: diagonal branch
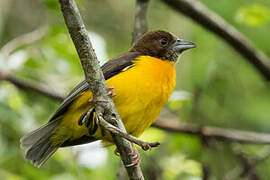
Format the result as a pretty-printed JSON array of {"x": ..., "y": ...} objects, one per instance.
[
  {"x": 249, "y": 171},
  {"x": 213, "y": 22},
  {"x": 24, "y": 39},
  {"x": 233, "y": 135},
  {"x": 104, "y": 106},
  {"x": 25, "y": 85}
]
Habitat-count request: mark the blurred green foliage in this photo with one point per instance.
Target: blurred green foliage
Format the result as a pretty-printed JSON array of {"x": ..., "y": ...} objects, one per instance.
[
  {"x": 253, "y": 15},
  {"x": 216, "y": 85}
]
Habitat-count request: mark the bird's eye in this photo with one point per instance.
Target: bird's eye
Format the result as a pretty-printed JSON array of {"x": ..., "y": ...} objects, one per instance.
[{"x": 163, "y": 41}]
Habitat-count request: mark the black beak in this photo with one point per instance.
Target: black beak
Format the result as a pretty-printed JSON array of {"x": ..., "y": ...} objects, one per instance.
[{"x": 181, "y": 45}]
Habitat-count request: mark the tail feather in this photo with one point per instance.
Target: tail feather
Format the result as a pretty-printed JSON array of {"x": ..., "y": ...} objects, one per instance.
[
  {"x": 39, "y": 153},
  {"x": 38, "y": 145},
  {"x": 34, "y": 136}
]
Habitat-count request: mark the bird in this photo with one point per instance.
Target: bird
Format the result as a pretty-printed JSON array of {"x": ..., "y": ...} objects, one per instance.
[{"x": 139, "y": 82}]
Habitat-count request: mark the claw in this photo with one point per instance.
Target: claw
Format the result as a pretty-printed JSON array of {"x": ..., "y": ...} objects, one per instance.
[
  {"x": 88, "y": 119},
  {"x": 136, "y": 160},
  {"x": 110, "y": 92},
  {"x": 84, "y": 119}
]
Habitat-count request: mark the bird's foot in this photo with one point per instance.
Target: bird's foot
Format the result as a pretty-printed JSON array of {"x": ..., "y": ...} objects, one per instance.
[
  {"x": 110, "y": 92},
  {"x": 136, "y": 160},
  {"x": 87, "y": 118}
]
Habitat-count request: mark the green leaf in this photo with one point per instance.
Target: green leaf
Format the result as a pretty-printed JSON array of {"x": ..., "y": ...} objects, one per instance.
[{"x": 253, "y": 15}]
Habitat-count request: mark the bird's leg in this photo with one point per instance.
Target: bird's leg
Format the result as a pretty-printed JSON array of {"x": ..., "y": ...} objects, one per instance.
[
  {"x": 110, "y": 93},
  {"x": 87, "y": 119},
  {"x": 87, "y": 116},
  {"x": 136, "y": 160}
]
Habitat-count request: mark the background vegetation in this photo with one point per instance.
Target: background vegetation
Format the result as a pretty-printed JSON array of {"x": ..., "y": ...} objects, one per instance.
[{"x": 215, "y": 86}]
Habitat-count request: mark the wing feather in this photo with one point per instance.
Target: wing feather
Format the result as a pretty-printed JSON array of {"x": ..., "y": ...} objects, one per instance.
[{"x": 109, "y": 69}]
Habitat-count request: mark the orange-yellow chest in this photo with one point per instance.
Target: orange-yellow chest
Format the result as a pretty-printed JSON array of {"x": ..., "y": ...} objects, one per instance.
[{"x": 141, "y": 92}]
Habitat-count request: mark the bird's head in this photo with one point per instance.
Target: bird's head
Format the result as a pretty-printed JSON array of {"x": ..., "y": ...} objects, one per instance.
[{"x": 161, "y": 44}]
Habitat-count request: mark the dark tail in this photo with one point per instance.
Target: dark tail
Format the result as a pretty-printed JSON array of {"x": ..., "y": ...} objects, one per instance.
[{"x": 38, "y": 145}]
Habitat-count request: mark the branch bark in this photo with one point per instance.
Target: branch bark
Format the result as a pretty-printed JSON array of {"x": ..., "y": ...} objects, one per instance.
[
  {"x": 214, "y": 23},
  {"x": 25, "y": 85},
  {"x": 104, "y": 106},
  {"x": 140, "y": 21}
]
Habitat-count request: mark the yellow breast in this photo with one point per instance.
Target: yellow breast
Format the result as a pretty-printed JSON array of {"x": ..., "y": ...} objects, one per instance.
[{"x": 141, "y": 92}]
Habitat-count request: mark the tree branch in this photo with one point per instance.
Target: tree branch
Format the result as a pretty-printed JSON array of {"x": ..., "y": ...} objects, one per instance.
[
  {"x": 213, "y": 22},
  {"x": 249, "y": 169},
  {"x": 24, "y": 39},
  {"x": 25, "y": 85},
  {"x": 140, "y": 21},
  {"x": 233, "y": 135},
  {"x": 104, "y": 106}
]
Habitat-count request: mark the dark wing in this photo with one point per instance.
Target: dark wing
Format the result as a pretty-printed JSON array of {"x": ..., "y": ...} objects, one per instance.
[
  {"x": 109, "y": 69},
  {"x": 118, "y": 64}
]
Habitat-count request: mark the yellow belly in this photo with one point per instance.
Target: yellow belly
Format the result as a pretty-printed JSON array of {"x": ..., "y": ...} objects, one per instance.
[{"x": 141, "y": 92}]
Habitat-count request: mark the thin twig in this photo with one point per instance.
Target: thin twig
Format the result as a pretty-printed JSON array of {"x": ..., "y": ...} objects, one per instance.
[
  {"x": 174, "y": 125},
  {"x": 24, "y": 39},
  {"x": 27, "y": 85},
  {"x": 140, "y": 21},
  {"x": 250, "y": 164},
  {"x": 94, "y": 77},
  {"x": 213, "y": 22},
  {"x": 144, "y": 145},
  {"x": 249, "y": 170}
]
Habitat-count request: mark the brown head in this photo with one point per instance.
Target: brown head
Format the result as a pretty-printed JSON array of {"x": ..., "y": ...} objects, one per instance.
[{"x": 161, "y": 44}]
